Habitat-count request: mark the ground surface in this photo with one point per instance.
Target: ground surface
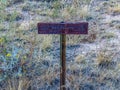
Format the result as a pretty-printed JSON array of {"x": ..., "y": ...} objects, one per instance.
[{"x": 29, "y": 60}]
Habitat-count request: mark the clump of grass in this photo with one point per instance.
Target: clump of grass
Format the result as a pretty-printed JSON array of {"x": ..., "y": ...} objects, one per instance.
[
  {"x": 84, "y": 12},
  {"x": 73, "y": 39},
  {"x": 26, "y": 8},
  {"x": 23, "y": 26},
  {"x": 3, "y": 40},
  {"x": 105, "y": 59},
  {"x": 80, "y": 59},
  {"x": 17, "y": 84},
  {"x": 56, "y": 5},
  {"x": 55, "y": 11},
  {"x": 2, "y": 28},
  {"x": 117, "y": 26},
  {"x": 108, "y": 35},
  {"x": 68, "y": 13},
  {"x": 91, "y": 38},
  {"x": 115, "y": 8},
  {"x": 102, "y": 57},
  {"x": 3, "y": 13},
  {"x": 46, "y": 42},
  {"x": 13, "y": 16}
]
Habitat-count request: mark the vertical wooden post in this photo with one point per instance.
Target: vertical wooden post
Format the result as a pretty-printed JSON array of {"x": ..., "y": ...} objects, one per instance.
[{"x": 62, "y": 61}]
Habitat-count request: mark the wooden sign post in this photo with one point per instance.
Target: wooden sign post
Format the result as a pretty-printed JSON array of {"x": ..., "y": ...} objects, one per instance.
[
  {"x": 63, "y": 29},
  {"x": 62, "y": 61}
]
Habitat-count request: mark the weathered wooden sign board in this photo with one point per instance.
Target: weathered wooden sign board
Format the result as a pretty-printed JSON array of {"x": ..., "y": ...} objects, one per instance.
[{"x": 63, "y": 29}]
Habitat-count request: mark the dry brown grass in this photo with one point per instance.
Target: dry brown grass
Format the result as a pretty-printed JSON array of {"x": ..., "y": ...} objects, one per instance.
[
  {"x": 18, "y": 84},
  {"x": 79, "y": 58},
  {"x": 105, "y": 56},
  {"x": 114, "y": 7}
]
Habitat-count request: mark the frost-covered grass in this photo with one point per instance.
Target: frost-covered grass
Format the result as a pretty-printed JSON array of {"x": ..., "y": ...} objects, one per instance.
[{"x": 29, "y": 60}]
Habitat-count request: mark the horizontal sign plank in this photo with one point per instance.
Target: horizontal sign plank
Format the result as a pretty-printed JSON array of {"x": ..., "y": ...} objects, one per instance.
[{"x": 63, "y": 28}]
